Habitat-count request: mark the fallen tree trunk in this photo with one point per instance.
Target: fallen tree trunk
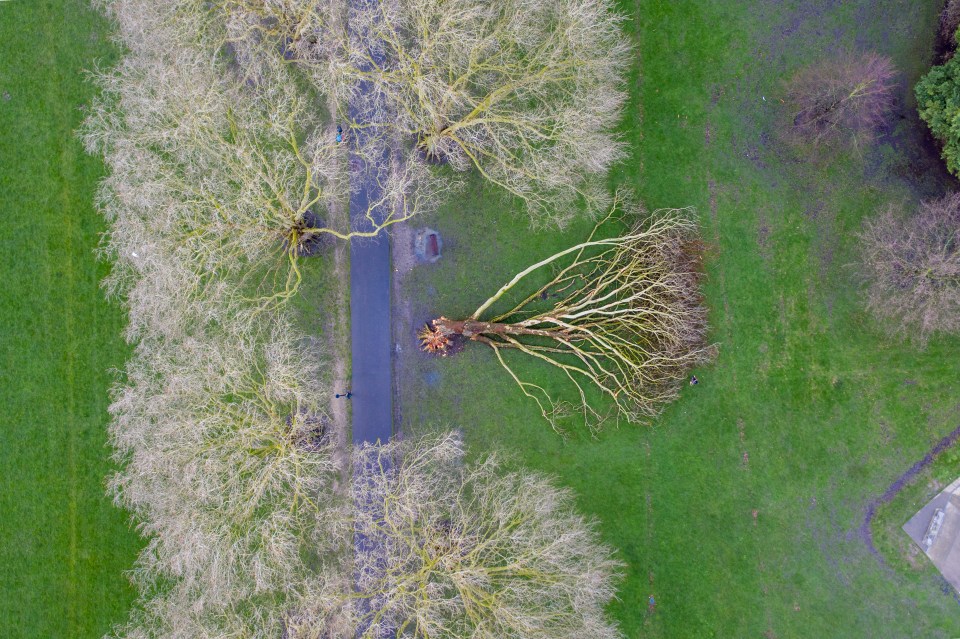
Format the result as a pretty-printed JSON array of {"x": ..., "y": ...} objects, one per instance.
[{"x": 628, "y": 320}]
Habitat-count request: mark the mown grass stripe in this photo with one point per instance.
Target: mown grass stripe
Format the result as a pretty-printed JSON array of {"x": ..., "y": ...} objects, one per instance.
[{"x": 63, "y": 546}]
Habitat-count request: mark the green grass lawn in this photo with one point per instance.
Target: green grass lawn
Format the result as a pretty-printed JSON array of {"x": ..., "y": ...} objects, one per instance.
[
  {"x": 807, "y": 415},
  {"x": 63, "y": 546},
  {"x": 739, "y": 508}
]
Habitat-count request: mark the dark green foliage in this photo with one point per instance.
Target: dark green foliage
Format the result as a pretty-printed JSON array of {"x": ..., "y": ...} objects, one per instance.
[{"x": 938, "y": 102}]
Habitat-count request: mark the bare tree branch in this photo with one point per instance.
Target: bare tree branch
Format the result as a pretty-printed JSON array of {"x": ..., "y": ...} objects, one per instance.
[
  {"x": 912, "y": 268},
  {"x": 472, "y": 550},
  {"x": 844, "y": 99},
  {"x": 526, "y": 92},
  {"x": 217, "y": 180},
  {"x": 628, "y": 320}
]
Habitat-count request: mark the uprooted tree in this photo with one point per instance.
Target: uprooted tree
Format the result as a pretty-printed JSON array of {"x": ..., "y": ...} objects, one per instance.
[
  {"x": 469, "y": 550},
  {"x": 841, "y": 100},
  {"x": 628, "y": 319},
  {"x": 224, "y": 172},
  {"x": 912, "y": 268}
]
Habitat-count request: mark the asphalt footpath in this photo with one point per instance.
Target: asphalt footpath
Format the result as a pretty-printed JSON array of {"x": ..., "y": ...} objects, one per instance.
[
  {"x": 369, "y": 303},
  {"x": 370, "y": 334}
]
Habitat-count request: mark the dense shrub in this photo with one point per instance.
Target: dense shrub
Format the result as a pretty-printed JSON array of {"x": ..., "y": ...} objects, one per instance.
[{"x": 938, "y": 101}]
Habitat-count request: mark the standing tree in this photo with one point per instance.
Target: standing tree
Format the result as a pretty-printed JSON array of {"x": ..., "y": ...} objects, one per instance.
[
  {"x": 226, "y": 459},
  {"x": 526, "y": 92},
  {"x": 450, "y": 549},
  {"x": 219, "y": 179},
  {"x": 912, "y": 266},
  {"x": 180, "y": 610},
  {"x": 622, "y": 314},
  {"x": 946, "y": 42},
  {"x": 842, "y": 100}
]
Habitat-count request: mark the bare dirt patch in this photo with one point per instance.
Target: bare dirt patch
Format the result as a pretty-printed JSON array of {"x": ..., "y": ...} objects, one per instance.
[{"x": 337, "y": 328}]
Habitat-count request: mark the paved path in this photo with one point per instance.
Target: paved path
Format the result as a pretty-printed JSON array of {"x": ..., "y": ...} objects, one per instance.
[
  {"x": 369, "y": 307},
  {"x": 865, "y": 531},
  {"x": 370, "y": 335},
  {"x": 370, "y": 327}
]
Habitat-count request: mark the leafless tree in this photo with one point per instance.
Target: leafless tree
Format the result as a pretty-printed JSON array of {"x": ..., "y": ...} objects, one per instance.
[
  {"x": 471, "y": 550},
  {"x": 219, "y": 426},
  {"x": 527, "y": 92},
  {"x": 912, "y": 267},
  {"x": 220, "y": 180},
  {"x": 621, "y": 314},
  {"x": 947, "y": 31},
  {"x": 178, "y": 611},
  {"x": 844, "y": 99},
  {"x": 226, "y": 461},
  {"x": 223, "y": 166}
]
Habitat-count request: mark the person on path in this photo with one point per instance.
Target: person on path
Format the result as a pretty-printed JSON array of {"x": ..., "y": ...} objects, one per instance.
[
  {"x": 339, "y": 137},
  {"x": 348, "y": 395},
  {"x": 651, "y": 604}
]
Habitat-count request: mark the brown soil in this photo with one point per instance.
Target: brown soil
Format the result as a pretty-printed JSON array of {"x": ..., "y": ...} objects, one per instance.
[
  {"x": 339, "y": 350},
  {"x": 338, "y": 346},
  {"x": 315, "y": 243}
]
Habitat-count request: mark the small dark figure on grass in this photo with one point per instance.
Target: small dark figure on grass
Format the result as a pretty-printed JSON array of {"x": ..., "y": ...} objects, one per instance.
[{"x": 693, "y": 380}]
